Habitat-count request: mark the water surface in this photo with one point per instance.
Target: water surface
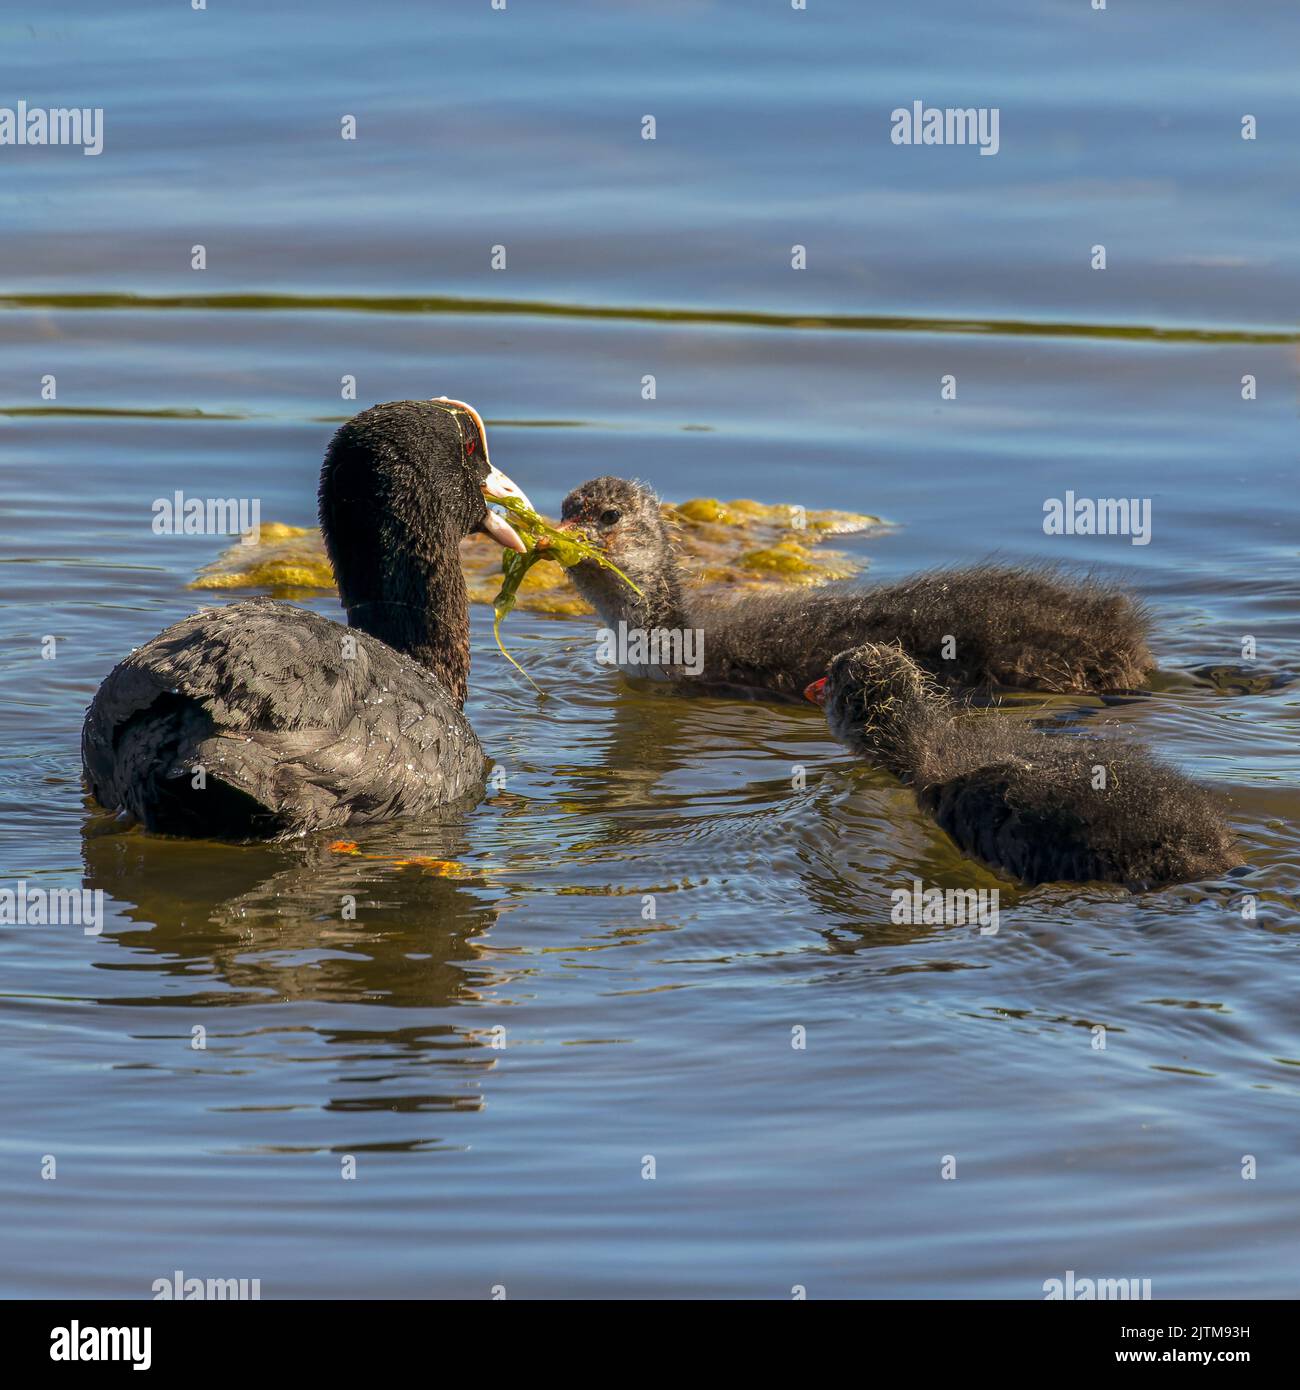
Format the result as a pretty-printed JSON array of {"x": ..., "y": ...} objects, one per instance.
[{"x": 625, "y": 1037}]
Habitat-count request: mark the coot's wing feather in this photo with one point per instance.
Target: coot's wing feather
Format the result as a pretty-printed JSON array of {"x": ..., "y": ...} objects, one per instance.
[
  {"x": 318, "y": 724},
  {"x": 396, "y": 757}
]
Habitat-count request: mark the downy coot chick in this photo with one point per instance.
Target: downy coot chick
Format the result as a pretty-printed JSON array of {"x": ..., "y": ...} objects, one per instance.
[
  {"x": 261, "y": 720},
  {"x": 1012, "y": 626},
  {"x": 1030, "y": 803}
]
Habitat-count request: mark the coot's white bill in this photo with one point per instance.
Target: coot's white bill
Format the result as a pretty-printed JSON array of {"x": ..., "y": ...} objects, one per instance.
[{"x": 501, "y": 531}]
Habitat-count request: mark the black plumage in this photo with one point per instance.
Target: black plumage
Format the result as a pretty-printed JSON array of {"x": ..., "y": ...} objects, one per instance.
[
  {"x": 262, "y": 720},
  {"x": 1017, "y": 626},
  {"x": 1031, "y": 803}
]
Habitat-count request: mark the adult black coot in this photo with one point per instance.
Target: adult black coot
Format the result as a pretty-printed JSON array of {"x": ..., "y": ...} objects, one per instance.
[
  {"x": 1039, "y": 806},
  {"x": 261, "y": 720},
  {"x": 980, "y": 627}
]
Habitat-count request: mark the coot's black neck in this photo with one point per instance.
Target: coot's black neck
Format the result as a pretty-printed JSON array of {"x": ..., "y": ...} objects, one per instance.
[{"x": 427, "y": 620}]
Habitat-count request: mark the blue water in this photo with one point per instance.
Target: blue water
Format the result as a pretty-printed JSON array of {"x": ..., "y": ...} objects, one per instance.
[{"x": 624, "y": 1037}]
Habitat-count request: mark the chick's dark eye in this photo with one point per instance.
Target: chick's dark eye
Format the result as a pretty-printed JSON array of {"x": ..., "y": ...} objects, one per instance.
[{"x": 609, "y": 517}]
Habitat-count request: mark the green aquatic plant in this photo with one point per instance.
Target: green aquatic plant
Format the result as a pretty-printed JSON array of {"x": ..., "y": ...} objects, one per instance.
[
  {"x": 717, "y": 539},
  {"x": 546, "y": 542}
]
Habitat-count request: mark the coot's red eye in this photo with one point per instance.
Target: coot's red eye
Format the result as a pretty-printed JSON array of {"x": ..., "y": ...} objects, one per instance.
[{"x": 470, "y": 446}]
